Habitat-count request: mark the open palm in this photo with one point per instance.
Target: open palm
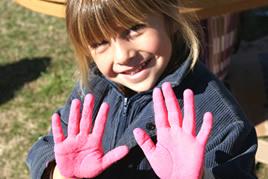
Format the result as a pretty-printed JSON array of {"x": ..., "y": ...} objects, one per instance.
[
  {"x": 178, "y": 153},
  {"x": 80, "y": 154}
]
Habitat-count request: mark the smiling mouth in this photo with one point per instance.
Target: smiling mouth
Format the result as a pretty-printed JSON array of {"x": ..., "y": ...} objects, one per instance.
[{"x": 139, "y": 68}]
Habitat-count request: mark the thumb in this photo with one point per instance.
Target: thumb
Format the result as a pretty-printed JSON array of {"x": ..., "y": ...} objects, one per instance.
[
  {"x": 144, "y": 141},
  {"x": 114, "y": 155}
]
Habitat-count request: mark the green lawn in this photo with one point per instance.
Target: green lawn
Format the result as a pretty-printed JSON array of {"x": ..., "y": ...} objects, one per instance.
[{"x": 36, "y": 76}]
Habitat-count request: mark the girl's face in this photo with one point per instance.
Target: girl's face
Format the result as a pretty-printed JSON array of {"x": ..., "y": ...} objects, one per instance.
[{"x": 136, "y": 57}]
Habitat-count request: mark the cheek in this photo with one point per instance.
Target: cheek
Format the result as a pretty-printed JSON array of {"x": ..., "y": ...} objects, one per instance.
[
  {"x": 104, "y": 65},
  {"x": 165, "y": 46},
  {"x": 158, "y": 44}
]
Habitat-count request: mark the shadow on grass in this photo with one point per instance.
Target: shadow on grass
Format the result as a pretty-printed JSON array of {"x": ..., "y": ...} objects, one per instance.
[{"x": 14, "y": 76}]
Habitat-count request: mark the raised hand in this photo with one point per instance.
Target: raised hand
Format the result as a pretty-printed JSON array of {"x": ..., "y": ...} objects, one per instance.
[
  {"x": 80, "y": 154},
  {"x": 178, "y": 153}
]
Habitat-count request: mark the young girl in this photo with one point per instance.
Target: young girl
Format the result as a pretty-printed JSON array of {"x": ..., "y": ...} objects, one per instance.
[{"x": 128, "y": 50}]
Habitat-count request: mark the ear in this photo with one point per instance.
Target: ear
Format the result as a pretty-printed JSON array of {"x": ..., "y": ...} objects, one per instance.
[{"x": 172, "y": 27}]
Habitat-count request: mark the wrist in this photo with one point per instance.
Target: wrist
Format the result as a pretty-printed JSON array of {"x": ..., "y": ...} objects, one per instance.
[
  {"x": 57, "y": 174},
  {"x": 185, "y": 175},
  {"x": 48, "y": 172}
]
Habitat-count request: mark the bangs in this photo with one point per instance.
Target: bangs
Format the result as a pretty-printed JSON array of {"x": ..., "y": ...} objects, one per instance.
[{"x": 92, "y": 21}]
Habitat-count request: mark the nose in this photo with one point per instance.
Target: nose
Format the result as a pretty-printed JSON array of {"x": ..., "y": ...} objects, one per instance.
[{"x": 123, "y": 51}]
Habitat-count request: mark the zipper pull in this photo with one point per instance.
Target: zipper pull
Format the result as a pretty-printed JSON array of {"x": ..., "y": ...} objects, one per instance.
[{"x": 125, "y": 106}]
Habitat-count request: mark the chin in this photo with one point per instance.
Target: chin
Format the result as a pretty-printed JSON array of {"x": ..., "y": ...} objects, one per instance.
[{"x": 139, "y": 88}]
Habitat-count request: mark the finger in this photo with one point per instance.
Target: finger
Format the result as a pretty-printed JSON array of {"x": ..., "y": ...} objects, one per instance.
[
  {"x": 189, "y": 112},
  {"x": 173, "y": 108},
  {"x": 100, "y": 122},
  {"x": 57, "y": 131},
  {"x": 86, "y": 120},
  {"x": 144, "y": 141},
  {"x": 160, "y": 110},
  {"x": 74, "y": 118},
  {"x": 114, "y": 155},
  {"x": 206, "y": 127}
]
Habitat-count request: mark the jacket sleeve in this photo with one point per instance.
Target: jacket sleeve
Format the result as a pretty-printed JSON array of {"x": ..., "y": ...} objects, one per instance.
[
  {"x": 232, "y": 145},
  {"x": 42, "y": 151},
  {"x": 231, "y": 148},
  {"x": 232, "y": 154},
  {"x": 40, "y": 155}
]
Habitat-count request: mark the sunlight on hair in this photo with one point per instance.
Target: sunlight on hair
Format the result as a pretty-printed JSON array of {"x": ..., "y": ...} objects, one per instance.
[{"x": 93, "y": 21}]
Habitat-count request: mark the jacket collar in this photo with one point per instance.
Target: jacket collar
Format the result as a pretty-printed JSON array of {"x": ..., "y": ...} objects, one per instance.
[{"x": 176, "y": 77}]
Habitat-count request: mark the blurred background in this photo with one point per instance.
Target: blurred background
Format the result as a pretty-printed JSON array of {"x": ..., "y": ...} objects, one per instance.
[{"x": 37, "y": 73}]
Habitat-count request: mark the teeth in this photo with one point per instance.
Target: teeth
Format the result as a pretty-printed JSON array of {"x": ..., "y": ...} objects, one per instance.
[
  {"x": 140, "y": 67},
  {"x": 136, "y": 71}
]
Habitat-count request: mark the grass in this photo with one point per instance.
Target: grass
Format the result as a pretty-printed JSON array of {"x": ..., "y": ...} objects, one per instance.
[
  {"x": 36, "y": 69},
  {"x": 36, "y": 76}
]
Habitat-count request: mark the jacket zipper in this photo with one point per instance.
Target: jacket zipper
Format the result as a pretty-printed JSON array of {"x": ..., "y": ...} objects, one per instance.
[{"x": 123, "y": 118}]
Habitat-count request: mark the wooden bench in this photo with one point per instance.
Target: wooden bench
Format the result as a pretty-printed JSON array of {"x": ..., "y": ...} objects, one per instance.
[
  {"x": 50, "y": 7},
  {"x": 203, "y": 8},
  {"x": 262, "y": 133}
]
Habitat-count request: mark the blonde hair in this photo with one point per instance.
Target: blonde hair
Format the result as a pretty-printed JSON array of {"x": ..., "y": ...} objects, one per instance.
[{"x": 92, "y": 21}]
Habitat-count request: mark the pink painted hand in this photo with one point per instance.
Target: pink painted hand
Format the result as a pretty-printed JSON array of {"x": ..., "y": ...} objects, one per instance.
[
  {"x": 80, "y": 154},
  {"x": 178, "y": 153}
]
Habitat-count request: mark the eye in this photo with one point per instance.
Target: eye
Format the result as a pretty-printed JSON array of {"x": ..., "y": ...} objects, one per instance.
[
  {"x": 134, "y": 31},
  {"x": 137, "y": 27},
  {"x": 97, "y": 45}
]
